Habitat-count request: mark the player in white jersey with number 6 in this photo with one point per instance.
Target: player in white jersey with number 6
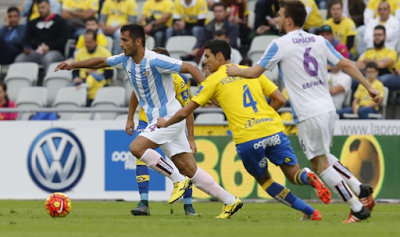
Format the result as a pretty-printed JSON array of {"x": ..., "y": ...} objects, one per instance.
[
  {"x": 302, "y": 61},
  {"x": 153, "y": 88}
]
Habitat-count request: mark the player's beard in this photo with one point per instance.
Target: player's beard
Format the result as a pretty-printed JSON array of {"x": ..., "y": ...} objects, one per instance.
[{"x": 379, "y": 45}]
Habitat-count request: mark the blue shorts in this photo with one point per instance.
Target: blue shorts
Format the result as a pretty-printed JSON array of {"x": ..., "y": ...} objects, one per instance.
[
  {"x": 276, "y": 148},
  {"x": 142, "y": 125}
]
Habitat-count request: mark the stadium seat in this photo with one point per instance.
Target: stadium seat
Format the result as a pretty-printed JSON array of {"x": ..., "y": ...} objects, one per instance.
[
  {"x": 70, "y": 98},
  {"x": 20, "y": 75},
  {"x": 150, "y": 42},
  {"x": 31, "y": 98},
  {"x": 257, "y": 49},
  {"x": 210, "y": 118},
  {"x": 71, "y": 43},
  {"x": 251, "y": 5},
  {"x": 251, "y": 19},
  {"x": 109, "y": 98},
  {"x": 85, "y": 116},
  {"x": 110, "y": 43},
  {"x": 178, "y": 46},
  {"x": 54, "y": 81},
  {"x": 323, "y": 13}
]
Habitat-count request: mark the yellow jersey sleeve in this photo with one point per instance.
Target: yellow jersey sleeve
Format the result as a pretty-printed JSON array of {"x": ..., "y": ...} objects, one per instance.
[
  {"x": 102, "y": 40},
  {"x": 357, "y": 94},
  {"x": 146, "y": 10},
  {"x": 178, "y": 10},
  {"x": 267, "y": 85},
  {"x": 206, "y": 91},
  {"x": 92, "y": 4},
  {"x": 392, "y": 55},
  {"x": 105, "y": 10},
  {"x": 203, "y": 10},
  {"x": 68, "y": 5},
  {"x": 181, "y": 90},
  {"x": 81, "y": 42}
]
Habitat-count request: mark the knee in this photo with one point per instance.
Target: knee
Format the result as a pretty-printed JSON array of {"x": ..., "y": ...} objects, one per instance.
[{"x": 136, "y": 150}]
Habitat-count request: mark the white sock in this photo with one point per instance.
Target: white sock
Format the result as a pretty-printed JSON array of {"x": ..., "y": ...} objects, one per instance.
[
  {"x": 175, "y": 176},
  {"x": 155, "y": 161},
  {"x": 347, "y": 176},
  {"x": 203, "y": 181},
  {"x": 337, "y": 184}
]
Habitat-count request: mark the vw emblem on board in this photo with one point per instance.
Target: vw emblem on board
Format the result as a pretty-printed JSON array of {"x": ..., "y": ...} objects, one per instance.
[{"x": 56, "y": 160}]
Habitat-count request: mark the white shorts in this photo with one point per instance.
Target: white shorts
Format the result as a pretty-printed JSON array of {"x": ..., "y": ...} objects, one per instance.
[
  {"x": 315, "y": 134},
  {"x": 172, "y": 140}
]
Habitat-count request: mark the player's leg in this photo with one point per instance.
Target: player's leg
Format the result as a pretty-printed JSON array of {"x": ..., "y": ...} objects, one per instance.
[
  {"x": 315, "y": 135},
  {"x": 363, "y": 191},
  {"x": 182, "y": 157},
  {"x": 255, "y": 162},
  {"x": 143, "y": 180},
  {"x": 281, "y": 153}
]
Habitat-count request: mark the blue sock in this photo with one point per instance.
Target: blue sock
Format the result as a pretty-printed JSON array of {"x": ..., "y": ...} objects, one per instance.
[
  {"x": 283, "y": 195},
  {"x": 143, "y": 180},
  {"x": 301, "y": 177},
  {"x": 187, "y": 197}
]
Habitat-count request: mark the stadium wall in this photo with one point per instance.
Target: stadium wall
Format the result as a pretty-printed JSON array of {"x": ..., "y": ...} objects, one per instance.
[{"x": 91, "y": 160}]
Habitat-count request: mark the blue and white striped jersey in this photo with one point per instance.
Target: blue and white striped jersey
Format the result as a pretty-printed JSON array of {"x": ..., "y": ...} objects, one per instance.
[
  {"x": 152, "y": 82},
  {"x": 302, "y": 60}
]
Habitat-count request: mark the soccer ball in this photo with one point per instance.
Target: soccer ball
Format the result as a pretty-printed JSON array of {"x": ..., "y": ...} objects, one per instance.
[{"x": 58, "y": 205}]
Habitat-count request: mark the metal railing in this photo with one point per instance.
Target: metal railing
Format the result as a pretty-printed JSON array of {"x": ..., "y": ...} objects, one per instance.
[{"x": 122, "y": 110}]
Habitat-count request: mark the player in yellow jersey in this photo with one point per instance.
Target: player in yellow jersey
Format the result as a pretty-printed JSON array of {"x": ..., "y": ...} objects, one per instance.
[
  {"x": 142, "y": 171},
  {"x": 256, "y": 127},
  {"x": 314, "y": 19}
]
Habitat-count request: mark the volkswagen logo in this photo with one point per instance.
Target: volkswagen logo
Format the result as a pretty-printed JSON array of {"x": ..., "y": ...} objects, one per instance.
[{"x": 56, "y": 160}]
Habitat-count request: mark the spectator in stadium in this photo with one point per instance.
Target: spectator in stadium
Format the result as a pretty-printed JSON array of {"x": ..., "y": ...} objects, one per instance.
[
  {"x": 238, "y": 14},
  {"x": 372, "y": 10},
  {"x": 362, "y": 103},
  {"x": 383, "y": 56},
  {"x": 92, "y": 79},
  {"x": 343, "y": 28},
  {"x": 6, "y": 103},
  {"x": 188, "y": 17},
  {"x": 354, "y": 9},
  {"x": 219, "y": 22},
  {"x": 45, "y": 37},
  {"x": 266, "y": 20},
  {"x": 115, "y": 14},
  {"x": 339, "y": 86},
  {"x": 156, "y": 18},
  {"x": 313, "y": 19},
  {"x": 31, "y": 12},
  {"x": 236, "y": 57},
  {"x": 392, "y": 81},
  {"x": 11, "y": 37},
  {"x": 93, "y": 25},
  {"x": 326, "y": 32},
  {"x": 76, "y": 12},
  {"x": 391, "y": 24}
]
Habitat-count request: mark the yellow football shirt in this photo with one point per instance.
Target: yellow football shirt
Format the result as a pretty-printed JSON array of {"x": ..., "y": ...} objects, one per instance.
[
  {"x": 374, "y": 4},
  {"x": 181, "y": 94},
  {"x": 242, "y": 100},
  {"x": 158, "y": 9},
  {"x": 197, "y": 10},
  {"x": 101, "y": 40},
  {"x": 83, "y": 54},
  {"x": 374, "y": 54},
  {"x": 362, "y": 93},
  {"x": 314, "y": 19},
  {"x": 80, "y": 5},
  {"x": 118, "y": 12},
  {"x": 344, "y": 29}
]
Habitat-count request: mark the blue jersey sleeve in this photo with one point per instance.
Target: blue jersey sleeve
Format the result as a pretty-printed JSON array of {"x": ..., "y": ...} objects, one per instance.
[
  {"x": 271, "y": 57},
  {"x": 166, "y": 65},
  {"x": 333, "y": 56},
  {"x": 116, "y": 61}
]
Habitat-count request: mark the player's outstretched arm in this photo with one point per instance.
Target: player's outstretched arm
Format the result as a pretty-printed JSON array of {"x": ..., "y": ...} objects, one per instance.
[
  {"x": 92, "y": 63},
  {"x": 353, "y": 71},
  {"x": 251, "y": 72},
  {"x": 194, "y": 71},
  {"x": 130, "y": 125},
  {"x": 178, "y": 116}
]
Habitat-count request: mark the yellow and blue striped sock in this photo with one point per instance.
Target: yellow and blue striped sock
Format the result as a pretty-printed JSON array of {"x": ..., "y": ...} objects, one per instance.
[{"x": 143, "y": 181}]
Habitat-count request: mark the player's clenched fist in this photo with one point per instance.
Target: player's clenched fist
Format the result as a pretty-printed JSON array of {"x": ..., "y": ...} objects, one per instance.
[
  {"x": 232, "y": 70},
  {"x": 161, "y": 123}
]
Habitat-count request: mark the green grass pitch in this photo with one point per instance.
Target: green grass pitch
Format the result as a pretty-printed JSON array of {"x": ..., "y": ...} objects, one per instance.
[{"x": 109, "y": 219}]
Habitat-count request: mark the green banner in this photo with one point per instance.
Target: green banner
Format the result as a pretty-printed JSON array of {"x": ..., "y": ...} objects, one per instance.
[{"x": 372, "y": 159}]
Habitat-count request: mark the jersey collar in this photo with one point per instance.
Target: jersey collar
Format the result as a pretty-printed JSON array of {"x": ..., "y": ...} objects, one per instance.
[{"x": 192, "y": 4}]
